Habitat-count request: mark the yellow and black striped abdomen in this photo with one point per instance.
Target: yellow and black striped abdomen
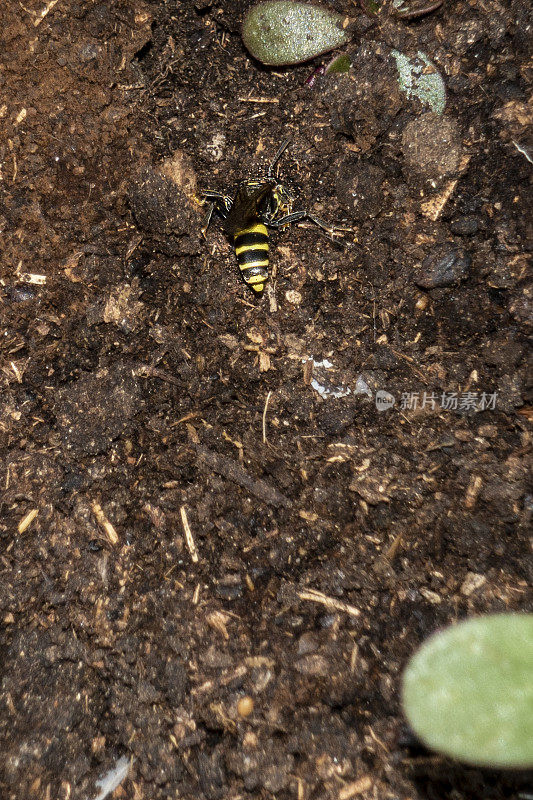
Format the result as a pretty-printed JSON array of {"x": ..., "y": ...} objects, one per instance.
[{"x": 251, "y": 247}]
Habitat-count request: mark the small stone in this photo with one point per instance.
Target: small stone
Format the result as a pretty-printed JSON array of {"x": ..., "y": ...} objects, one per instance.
[
  {"x": 472, "y": 581},
  {"x": 421, "y": 303},
  {"x": 245, "y": 706},
  {"x": 307, "y": 643},
  {"x": 463, "y": 435},
  {"x": 464, "y": 226},
  {"x": 430, "y": 596},
  {"x": 521, "y": 307},
  {"x": 446, "y": 266}
]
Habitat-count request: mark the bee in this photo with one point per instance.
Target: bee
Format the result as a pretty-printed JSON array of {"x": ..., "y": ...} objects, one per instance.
[{"x": 258, "y": 204}]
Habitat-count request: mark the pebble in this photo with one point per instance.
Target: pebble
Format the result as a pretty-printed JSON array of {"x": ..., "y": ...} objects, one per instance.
[
  {"x": 307, "y": 643},
  {"x": 245, "y": 706},
  {"x": 444, "y": 267}
]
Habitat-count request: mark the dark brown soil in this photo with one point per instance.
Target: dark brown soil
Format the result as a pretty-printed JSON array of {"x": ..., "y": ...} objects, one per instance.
[{"x": 147, "y": 394}]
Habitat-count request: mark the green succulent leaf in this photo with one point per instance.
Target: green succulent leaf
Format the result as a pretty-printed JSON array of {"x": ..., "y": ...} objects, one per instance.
[
  {"x": 468, "y": 691},
  {"x": 340, "y": 63},
  {"x": 418, "y": 77},
  {"x": 278, "y": 32}
]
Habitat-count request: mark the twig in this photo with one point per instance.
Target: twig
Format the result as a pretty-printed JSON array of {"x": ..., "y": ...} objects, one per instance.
[
  {"x": 188, "y": 535},
  {"x": 357, "y": 787},
  {"x": 258, "y": 100},
  {"x": 472, "y": 491},
  {"x": 147, "y": 371},
  {"x": 318, "y": 597},
  {"x": 234, "y": 472},
  {"x": 264, "y": 417},
  {"x": 104, "y": 522}
]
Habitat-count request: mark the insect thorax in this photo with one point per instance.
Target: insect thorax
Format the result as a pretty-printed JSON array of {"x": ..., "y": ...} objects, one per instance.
[
  {"x": 282, "y": 200},
  {"x": 277, "y": 204}
]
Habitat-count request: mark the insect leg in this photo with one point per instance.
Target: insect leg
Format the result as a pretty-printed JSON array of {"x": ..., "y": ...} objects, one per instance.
[
  {"x": 219, "y": 202},
  {"x": 278, "y": 156},
  {"x": 209, "y": 195},
  {"x": 204, "y": 227},
  {"x": 299, "y": 216}
]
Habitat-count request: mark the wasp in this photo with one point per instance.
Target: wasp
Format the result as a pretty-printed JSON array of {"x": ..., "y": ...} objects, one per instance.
[{"x": 258, "y": 204}]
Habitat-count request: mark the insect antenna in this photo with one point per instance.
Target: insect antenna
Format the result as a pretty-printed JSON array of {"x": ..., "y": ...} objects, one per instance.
[{"x": 278, "y": 156}]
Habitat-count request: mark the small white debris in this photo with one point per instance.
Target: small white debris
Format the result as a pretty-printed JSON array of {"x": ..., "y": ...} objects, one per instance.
[
  {"x": 334, "y": 393},
  {"x": 325, "y": 363},
  {"x": 523, "y": 151},
  {"x": 293, "y": 297},
  {"x": 113, "y": 778},
  {"x": 32, "y": 277},
  {"x": 188, "y": 535},
  {"x": 325, "y": 390},
  {"x": 362, "y": 387},
  {"x": 215, "y": 148}
]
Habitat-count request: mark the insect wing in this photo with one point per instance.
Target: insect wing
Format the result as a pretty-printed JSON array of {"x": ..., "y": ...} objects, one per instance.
[{"x": 246, "y": 206}]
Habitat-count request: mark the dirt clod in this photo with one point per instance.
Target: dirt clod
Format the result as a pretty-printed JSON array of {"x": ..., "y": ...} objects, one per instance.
[{"x": 431, "y": 146}]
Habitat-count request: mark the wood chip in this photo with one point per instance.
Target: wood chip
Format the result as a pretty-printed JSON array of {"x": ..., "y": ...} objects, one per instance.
[
  {"x": 188, "y": 535},
  {"x": 26, "y": 521},
  {"x": 353, "y": 789},
  {"x": 329, "y": 602},
  {"x": 472, "y": 491},
  {"x": 104, "y": 523}
]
